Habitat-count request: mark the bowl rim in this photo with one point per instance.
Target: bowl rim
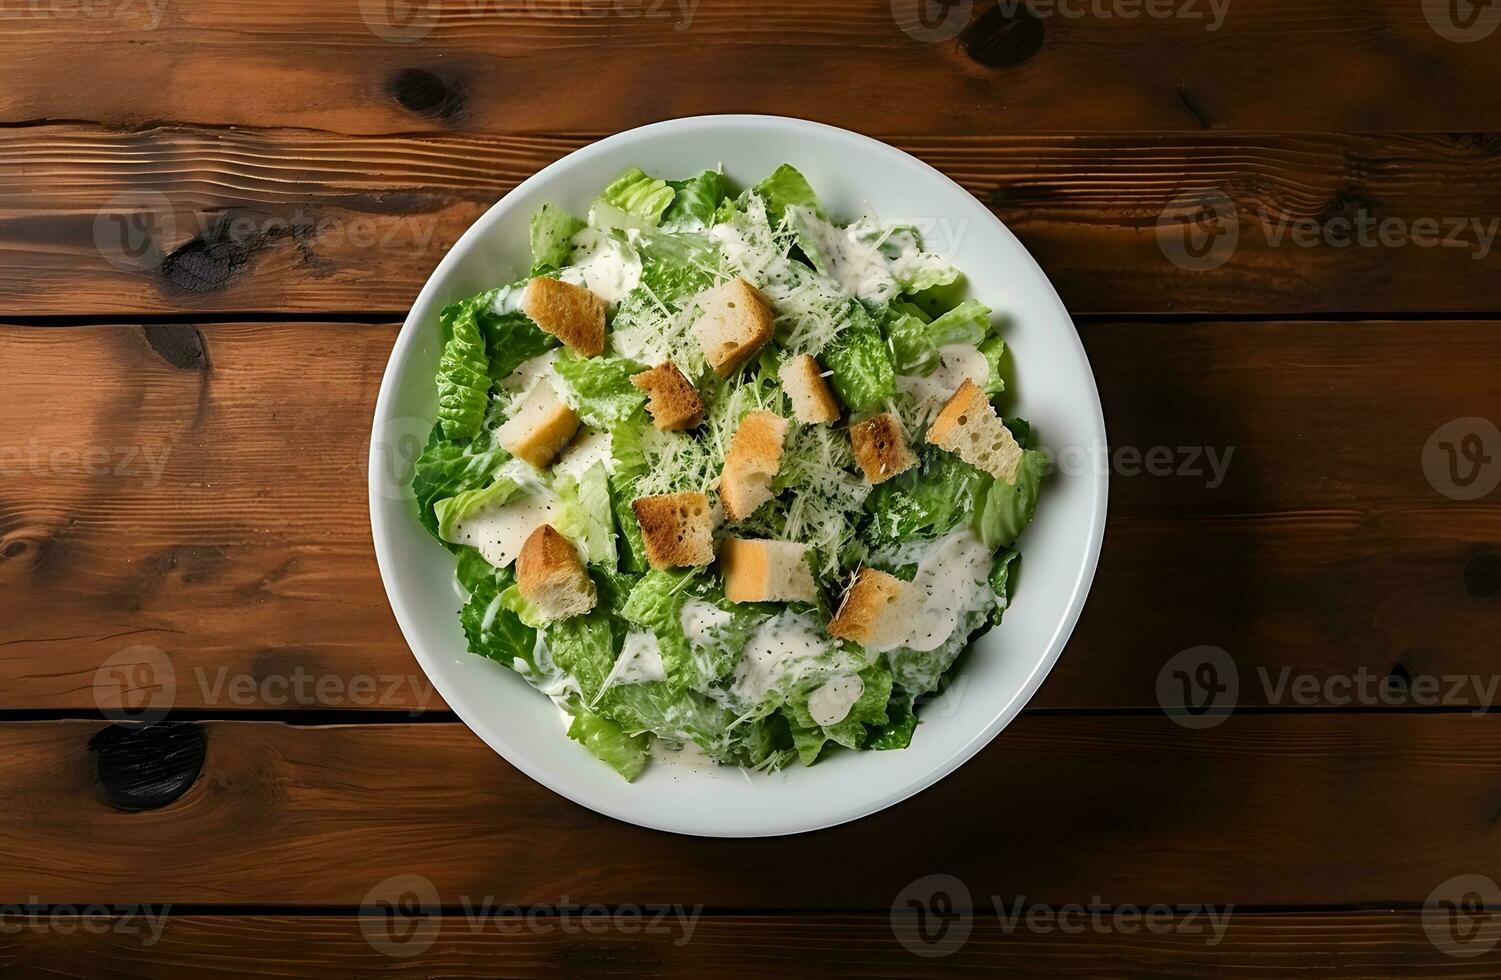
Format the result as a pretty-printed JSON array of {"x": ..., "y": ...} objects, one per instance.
[{"x": 386, "y": 557}]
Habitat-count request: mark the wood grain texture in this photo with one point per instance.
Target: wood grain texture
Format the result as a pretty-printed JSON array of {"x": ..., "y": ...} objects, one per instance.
[
  {"x": 594, "y": 65},
  {"x": 203, "y": 220},
  {"x": 1338, "y": 944},
  {"x": 1256, "y": 811},
  {"x": 189, "y": 490}
]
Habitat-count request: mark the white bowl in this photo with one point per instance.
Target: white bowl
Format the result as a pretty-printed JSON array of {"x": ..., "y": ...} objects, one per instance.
[{"x": 852, "y": 174}]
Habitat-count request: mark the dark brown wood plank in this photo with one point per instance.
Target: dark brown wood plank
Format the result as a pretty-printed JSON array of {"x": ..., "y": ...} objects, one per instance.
[
  {"x": 1057, "y": 809},
  {"x": 591, "y": 65},
  {"x": 94, "y": 221},
  {"x": 190, "y": 489},
  {"x": 1340, "y": 944}
]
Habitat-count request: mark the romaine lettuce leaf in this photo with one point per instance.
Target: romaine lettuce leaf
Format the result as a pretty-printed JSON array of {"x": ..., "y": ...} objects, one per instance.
[
  {"x": 967, "y": 323},
  {"x": 586, "y": 518},
  {"x": 912, "y": 347},
  {"x": 451, "y": 510},
  {"x": 929, "y": 500},
  {"x": 1001, "y": 572},
  {"x": 1008, "y": 509},
  {"x": 599, "y": 389},
  {"x": 696, "y": 200},
  {"x": 463, "y": 377},
  {"x": 896, "y": 733},
  {"x": 624, "y": 753},
  {"x": 851, "y": 732},
  {"x": 492, "y": 630},
  {"x": 786, "y": 187},
  {"x": 586, "y": 647},
  {"x": 860, "y": 362},
  {"x": 447, "y": 468},
  {"x": 994, "y": 351},
  {"x": 551, "y": 232},
  {"x": 638, "y": 196}
]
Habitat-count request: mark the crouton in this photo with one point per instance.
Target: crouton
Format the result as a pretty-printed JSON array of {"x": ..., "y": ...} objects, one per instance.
[
  {"x": 540, "y": 428},
  {"x": 550, "y": 576},
  {"x": 676, "y": 528},
  {"x": 754, "y": 456},
  {"x": 812, "y": 401},
  {"x": 880, "y": 448},
  {"x": 570, "y": 313},
  {"x": 766, "y": 571},
  {"x": 969, "y": 427},
  {"x": 735, "y": 324},
  {"x": 869, "y": 614},
  {"x": 674, "y": 402}
]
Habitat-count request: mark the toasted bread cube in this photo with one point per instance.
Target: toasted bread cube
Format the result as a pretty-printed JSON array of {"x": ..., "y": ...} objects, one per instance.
[
  {"x": 969, "y": 427},
  {"x": 674, "y": 403},
  {"x": 812, "y": 401},
  {"x": 754, "y": 456},
  {"x": 550, "y": 576},
  {"x": 540, "y": 428},
  {"x": 880, "y": 448},
  {"x": 869, "y": 614},
  {"x": 735, "y": 324},
  {"x": 677, "y": 529},
  {"x": 757, "y": 570},
  {"x": 570, "y": 313}
]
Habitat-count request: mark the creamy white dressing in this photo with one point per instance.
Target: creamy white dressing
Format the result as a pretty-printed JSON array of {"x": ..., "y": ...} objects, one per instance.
[
  {"x": 588, "y": 448},
  {"x": 604, "y": 264},
  {"x": 956, "y": 362},
  {"x": 499, "y": 532},
  {"x": 831, "y": 703},
  {"x": 701, "y": 620},
  {"x": 526, "y": 375},
  {"x": 782, "y": 649},
  {"x": 852, "y": 260},
  {"x": 507, "y": 299},
  {"x": 689, "y": 755},
  {"x": 952, "y": 580},
  {"x": 640, "y": 660}
]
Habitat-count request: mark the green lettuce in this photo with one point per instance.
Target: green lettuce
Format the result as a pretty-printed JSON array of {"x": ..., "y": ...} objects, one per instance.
[
  {"x": 696, "y": 200},
  {"x": 967, "y": 323},
  {"x": 600, "y": 389},
  {"x": 492, "y": 630},
  {"x": 585, "y": 517},
  {"x": 552, "y": 231},
  {"x": 611, "y": 744},
  {"x": 637, "y": 196},
  {"x": 463, "y": 377},
  {"x": 786, "y": 187},
  {"x": 452, "y": 510},
  {"x": 447, "y": 468},
  {"x": 869, "y": 709},
  {"x": 929, "y": 500},
  {"x": 1007, "y": 508},
  {"x": 860, "y": 363},
  {"x": 586, "y": 647}
]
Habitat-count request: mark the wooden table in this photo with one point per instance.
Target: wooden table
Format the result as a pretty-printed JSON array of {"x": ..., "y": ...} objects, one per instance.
[{"x": 213, "y": 215}]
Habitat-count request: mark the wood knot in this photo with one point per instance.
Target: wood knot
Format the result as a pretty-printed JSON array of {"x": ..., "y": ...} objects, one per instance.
[
  {"x": 146, "y": 767},
  {"x": 421, "y": 91},
  {"x": 179, "y": 344},
  {"x": 1003, "y": 38}
]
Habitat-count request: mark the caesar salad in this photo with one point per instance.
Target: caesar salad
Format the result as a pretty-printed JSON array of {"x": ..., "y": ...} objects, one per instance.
[{"x": 725, "y": 475}]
